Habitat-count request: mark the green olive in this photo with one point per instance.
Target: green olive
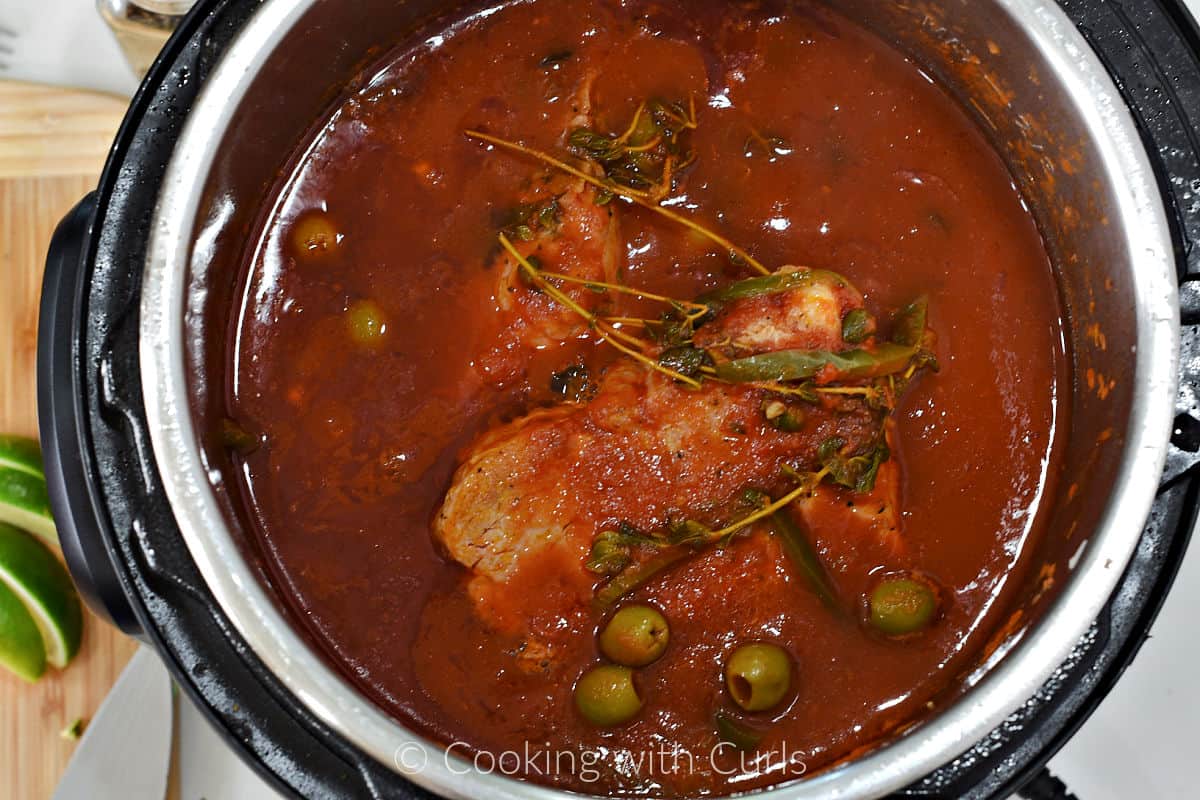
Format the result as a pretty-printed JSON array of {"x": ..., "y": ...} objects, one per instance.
[
  {"x": 606, "y": 696},
  {"x": 314, "y": 235},
  {"x": 901, "y": 605},
  {"x": 635, "y": 636},
  {"x": 366, "y": 321},
  {"x": 758, "y": 676}
]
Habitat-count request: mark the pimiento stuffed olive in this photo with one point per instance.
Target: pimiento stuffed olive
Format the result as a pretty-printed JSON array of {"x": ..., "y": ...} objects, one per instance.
[
  {"x": 900, "y": 605},
  {"x": 635, "y": 636},
  {"x": 606, "y": 696},
  {"x": 758, "y": 676}
]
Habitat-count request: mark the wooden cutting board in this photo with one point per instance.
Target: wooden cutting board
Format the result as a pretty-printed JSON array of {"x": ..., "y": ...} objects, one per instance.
[{"x": 52, "y": 147}]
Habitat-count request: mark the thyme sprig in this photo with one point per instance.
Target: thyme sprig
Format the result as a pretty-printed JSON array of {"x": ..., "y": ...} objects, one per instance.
[
  {"x": 613, "y": 336},
  {"x": 699, "y": 309},
  {"x": 612, "y": 551},
  {"x": 855, "y": 470},
  {"x": 525, "y": 220},
  {"x": 636, "y": 196},
  {"x": 674, "y": 328},
  {"x": 773, "y": 147},
  {"x": 649, "y": 155}
]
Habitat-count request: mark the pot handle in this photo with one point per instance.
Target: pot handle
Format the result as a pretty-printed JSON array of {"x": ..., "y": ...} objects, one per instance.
[{"x": 73, "y": 493}]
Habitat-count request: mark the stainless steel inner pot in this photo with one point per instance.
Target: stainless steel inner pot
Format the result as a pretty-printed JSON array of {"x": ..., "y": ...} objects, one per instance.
[{"x": 1034, "y": 86}]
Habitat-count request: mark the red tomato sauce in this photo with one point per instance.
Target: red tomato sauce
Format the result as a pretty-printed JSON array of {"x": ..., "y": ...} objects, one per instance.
[{"x": 817, "y": 145}]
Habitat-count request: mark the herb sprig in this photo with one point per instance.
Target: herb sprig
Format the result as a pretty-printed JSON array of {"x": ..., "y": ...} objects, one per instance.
[
  {"x": 637, "y": 196},
  {"x": 612, "y": 551},
  {"x": 649, "y": 155},
  {"x": 614, "y": 336}
]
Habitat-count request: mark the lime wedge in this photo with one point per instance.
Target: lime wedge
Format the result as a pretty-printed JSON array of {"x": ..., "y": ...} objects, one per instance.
[
  {"x": 22, "y": 453},
  {"x": 34, "y": 574},
  {"x": 24, "y": 503},
  {"x": 21, "y": 648}
]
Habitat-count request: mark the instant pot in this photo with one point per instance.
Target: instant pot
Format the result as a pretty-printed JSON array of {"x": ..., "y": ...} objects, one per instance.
[{"x": 1095, "y": 105}]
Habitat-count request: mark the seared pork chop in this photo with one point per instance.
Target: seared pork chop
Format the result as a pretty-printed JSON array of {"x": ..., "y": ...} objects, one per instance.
[{"x": 647, "y": 451}]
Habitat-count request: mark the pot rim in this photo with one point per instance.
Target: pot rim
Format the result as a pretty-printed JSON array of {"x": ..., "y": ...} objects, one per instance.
[{"x": 175, "y": 234}]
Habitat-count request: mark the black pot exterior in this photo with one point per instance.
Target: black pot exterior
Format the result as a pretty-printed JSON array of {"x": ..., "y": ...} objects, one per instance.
[
  {"x": 73, "y": 488},
  {"x": 124, "y": 550}
]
